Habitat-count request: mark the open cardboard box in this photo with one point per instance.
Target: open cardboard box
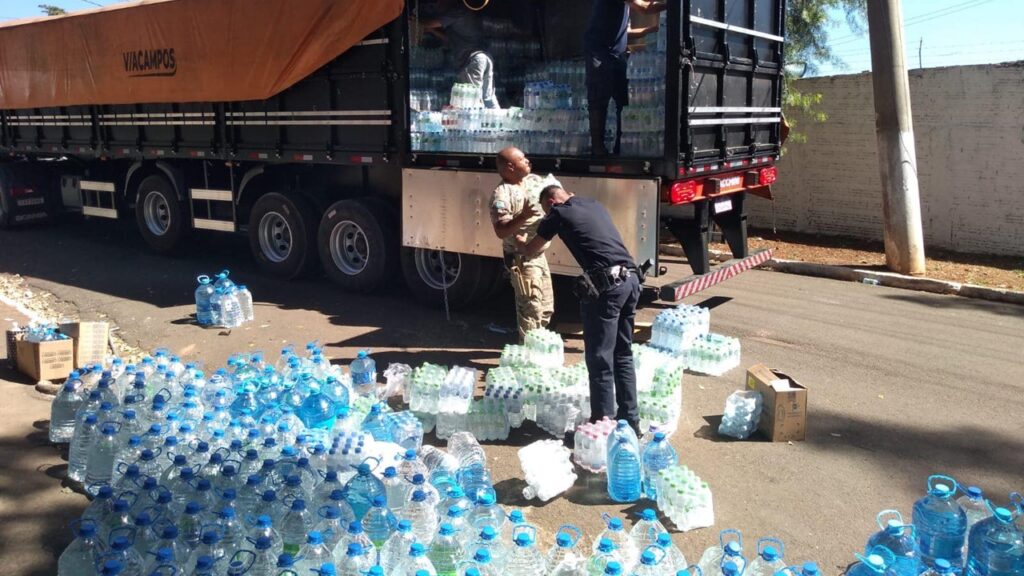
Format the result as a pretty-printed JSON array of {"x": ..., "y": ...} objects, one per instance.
[{"x": 784, "y": 416}]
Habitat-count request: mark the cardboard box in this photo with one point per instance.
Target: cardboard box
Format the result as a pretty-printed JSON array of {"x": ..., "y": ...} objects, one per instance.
[
  {"x": 90, "y": 341},
  {"x": 52, "y": 360},
  {"x": 784, "y": 417}
]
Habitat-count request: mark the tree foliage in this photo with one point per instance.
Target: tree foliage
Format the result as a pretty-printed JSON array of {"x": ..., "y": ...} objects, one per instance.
[
  {"x": 807, "y": 44},
  {"x": 51, "y": 10}
]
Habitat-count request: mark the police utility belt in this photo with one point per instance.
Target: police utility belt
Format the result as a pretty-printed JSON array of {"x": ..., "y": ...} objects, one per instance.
[{"x": 593, "y": 283}]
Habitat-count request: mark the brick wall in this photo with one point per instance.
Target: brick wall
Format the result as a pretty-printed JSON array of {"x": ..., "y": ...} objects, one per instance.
[{"x": 969, "y": 131}]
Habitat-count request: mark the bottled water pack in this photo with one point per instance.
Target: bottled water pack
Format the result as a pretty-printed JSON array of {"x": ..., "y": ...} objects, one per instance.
[
  {"x": 547, "y": 469},
  {"x": 742, "y": 413}
]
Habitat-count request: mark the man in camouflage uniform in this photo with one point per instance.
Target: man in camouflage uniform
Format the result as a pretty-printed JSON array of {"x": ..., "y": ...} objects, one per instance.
[{"x": 512, "y": 214}]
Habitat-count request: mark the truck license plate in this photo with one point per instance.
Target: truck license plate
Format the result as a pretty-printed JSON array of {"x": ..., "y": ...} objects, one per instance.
[
  {"x": 723, "y": 206},
  {"x": 730, "y": 183},
  {"x": 31, "y": 201}
]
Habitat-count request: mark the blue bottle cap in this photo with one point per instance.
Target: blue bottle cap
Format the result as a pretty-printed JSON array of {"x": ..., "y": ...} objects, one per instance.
[
  {"x": 315, "y": 537},
  {"x": 264, "y": 521},
  {"x": 730, "y": 569},
  {"x": 488, "y": 533},
  {"x": 193, "y": 508},
  {"x": 522, "y": 540},
  {"x": 361, "y": 354},
  {"x": 298, "y": 505},
  {"x": 379, "y": 501},
  {"x": 876, "y": 562},
  {"x": 605, "y": 545},
  {"x": 613, "y": 568},
  {"x": 285, "y": 561},
  {"x": 120, "y": 543},
  {"x": 810, "y": 569},
  {"x": 770, "y": 554},
  {"x": 417, "y": 549},
  {"x": 615, "y": 524},
  {"x": 562, "y": 540},
  {"x": 355, "y": 527},
  {"x": 165, "y": 554},
  {"x": 454, "y": 511},
  {"x": 111, "y": 568},
  {"x": 469, "y": 572},
  {"x": 648, "y": 514},
  {"x": 204, "y": 563},
  {"x": 942, "y": 566},
  {"x": 659, "y": 436},
  {"x": 974, "y": 493},
  {"x": 170, "y": 532},
  {"x": 664, "y": 540},
  {"x": 210, "y": 537},
  {"x": 264, "y": 543},
  {"x": 482, "y": 556},
  {"x": 292, "y": 480},
  {"x": 733, "y": 549},
  {"x": 1003, "y": 515},
  {"x": 404, "y": 526},
  {"x": 446, "y": 529},
  {"x": 648, "y": 558},
  {"x": 419, "y": 496},
  {"x": 418, "y": 479},
  {"x": 108, "y": 492},
  {"x": 86, "y": 530},
  {"x": 515, "y": 516}
]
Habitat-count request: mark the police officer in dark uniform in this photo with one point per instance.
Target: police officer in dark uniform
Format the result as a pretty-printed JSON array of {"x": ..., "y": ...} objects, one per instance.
[
  {"x": 608, "y": 289},
  {"x": 605, "y": 44}
]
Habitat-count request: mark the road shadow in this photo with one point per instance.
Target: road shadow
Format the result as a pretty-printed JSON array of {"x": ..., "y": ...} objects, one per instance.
[{"x": 938, "y": 302}]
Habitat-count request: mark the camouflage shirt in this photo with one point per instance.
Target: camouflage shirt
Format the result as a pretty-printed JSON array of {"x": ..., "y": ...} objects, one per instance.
[{"x": 507, "y": 202}]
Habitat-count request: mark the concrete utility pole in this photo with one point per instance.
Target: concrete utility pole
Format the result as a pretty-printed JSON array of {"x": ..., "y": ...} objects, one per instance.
[{"x": 901, "y": 202}]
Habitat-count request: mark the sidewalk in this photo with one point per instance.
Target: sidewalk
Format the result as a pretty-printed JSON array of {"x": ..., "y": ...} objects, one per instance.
[{"x": 34, "y": 509}]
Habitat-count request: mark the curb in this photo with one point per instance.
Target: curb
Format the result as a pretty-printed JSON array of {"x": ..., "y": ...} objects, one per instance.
[{"x": 888, "y": 279}]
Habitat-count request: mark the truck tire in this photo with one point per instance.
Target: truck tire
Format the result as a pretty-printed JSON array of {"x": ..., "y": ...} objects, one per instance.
[
  {"x": 282, "y": 235},
  {"x": 5, "y": 212},
  {"x": 358, "y": 244},
  {"x": 159, "y": 215},
  {"x": 468, "y": 277}
]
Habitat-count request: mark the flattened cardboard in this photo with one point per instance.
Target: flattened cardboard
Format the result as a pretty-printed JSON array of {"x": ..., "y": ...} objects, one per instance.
[{"x": 784, "y": 417}]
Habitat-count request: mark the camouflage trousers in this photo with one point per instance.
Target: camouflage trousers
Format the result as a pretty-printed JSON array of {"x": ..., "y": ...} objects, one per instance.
[{"x": 535, "y": 302}]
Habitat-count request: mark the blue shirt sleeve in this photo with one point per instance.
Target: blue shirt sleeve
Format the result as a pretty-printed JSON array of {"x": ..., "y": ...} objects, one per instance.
[{"x": 548, "y": 227}]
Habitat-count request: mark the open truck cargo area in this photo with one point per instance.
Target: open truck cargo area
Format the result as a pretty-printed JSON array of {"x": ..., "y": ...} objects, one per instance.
[{"x": 333, "y": 134}]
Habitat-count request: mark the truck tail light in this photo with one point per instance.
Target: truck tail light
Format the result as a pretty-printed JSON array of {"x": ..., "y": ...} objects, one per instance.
[
  {"x": 17, "y": 191},
  {"x": 769, "y": 175},
  {"x": 682, "y": 192}
]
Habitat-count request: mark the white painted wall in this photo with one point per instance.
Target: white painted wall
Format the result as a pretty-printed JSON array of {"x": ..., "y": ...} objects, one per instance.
[{"x": 969, "y": 131}]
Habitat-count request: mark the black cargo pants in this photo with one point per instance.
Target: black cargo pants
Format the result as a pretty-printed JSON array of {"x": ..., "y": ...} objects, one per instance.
[{"x": 608, "y": 341}]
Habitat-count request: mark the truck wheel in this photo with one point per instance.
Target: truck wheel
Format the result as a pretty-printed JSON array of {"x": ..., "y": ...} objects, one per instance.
[
  {"x": 5, "y": 212},
  {"x": 282, "y": 234},
  {"x": 159, "y": 215},
  {"x": 427, "y": 272},
  {"x": 358, "y": 244}
]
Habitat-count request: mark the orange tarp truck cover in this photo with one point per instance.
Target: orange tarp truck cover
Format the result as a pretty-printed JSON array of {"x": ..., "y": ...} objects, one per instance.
[{"x": 178, "y": 50}]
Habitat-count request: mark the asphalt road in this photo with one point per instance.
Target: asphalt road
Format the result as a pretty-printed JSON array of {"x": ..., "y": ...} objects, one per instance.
[{"x": 902, "y": 384}]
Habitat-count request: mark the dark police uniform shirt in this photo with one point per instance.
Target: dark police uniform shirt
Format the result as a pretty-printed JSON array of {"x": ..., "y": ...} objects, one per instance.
[
  {"x": 606, "y": 34},
  {"x": 587, "y": 230}
]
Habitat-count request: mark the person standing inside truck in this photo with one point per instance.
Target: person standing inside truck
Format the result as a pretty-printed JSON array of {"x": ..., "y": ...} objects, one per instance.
[
  {"x": 608, "y": 289},
  {"x": 513, "y": 214},
  {"x": 604, "y": 46},
  {"x": 462, "y": 30}
]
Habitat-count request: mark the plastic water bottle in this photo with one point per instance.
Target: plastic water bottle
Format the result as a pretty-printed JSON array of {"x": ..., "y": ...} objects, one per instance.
[
  {"x": 769, "y": 560},
  {"x": 729, "y": 548},
  {"x": 416, "y": 563},
  {"x": 606, "y": 553},
  {"x": 80, "y": 557},
  {"x": 548, "y": 469},
  {"x": 314, "y": 553},
  {"x": 204, "y": 292},
  {"x": 657, "y": 456},
  {"x": 941, "y": 523},
  {"x": 361, "y": 489},
  {"x": 525, "y": 559},
  {"x": 100, "y": 460},
  {"x": 973, "y": 503},
  {"x": 81, "y": 445},
  {"x": 421, "y": 513},
  {"x": 486, "y": 512},
  {"x": 122, "y": 551},
  {"x": 900, "y": 539},
  {"x": 996, "y": 546},
  {"x": 651, "y": 562},
  {"x": 674, "y": 559},
  {"x": 294, "y": 526},
  {"x": 446, "y": 550},
  {"x": 375, "y": 425},
  {"x": 245, "y": 303},
  {"x": 397, "y": 546},
  {"x": 624, "y": 474},
  {"x": 355, "y": 534},
  {"x": 364, "y": 374},
  {"x": 646, "y": 531},
  {"x": 564, "y": 558},
  {"x": 356, "y": 562},
  {"x": 489, "y": 539},
  {"x": 379, "y": 521},
  {"x": 63, "y": 409}
]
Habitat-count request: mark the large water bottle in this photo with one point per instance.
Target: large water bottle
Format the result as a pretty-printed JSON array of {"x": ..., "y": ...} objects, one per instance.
[
  {"x": 446, "y": 550},
  {"x": 397, "y": 546},
  {"x": 379, "y": 521},
  {"x": 416, "y": 563},
  {"x": 657, "y": 456},
  {"x": 245, "y": 303},
  {"x": 314, "y": 553},
  {"x": 80, "y": 557},
  {"x": 624, "y": 544},
  {"x": 486, "y": 512},
  {"x": 941, "y": 523},
  {"x": 769, "y": 560},
  {"x": 624, "y": 474},
  {"x": 204, "y": 292},
  {"x": 422, "y": 515},
  {"x": 647, "y": 530},
  {"x": 730, "y": 543},
  {"x": 364, "y": 374},
  {"x": 974, "y": 505},
  {"x": 63, "y": 409},
  {"x": 81, "y": 444},
  {"x": 605, "y": 554},
  {"x": 674, "y": 559},
  {"x": 996, "y": 546},
  {"x": 294, "y": 525},
  {"x": 362, "y": 488},
  {"x": 525, "y": 559},
  {"x": 100, "y": 461},
  {"x": 564, "y": 558},
  {"x": 900, "y": 539},
  {"x": 942, "y": 568},
  {"x": 375, "y": 425},
  {"x": 651, "y": 562}
]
